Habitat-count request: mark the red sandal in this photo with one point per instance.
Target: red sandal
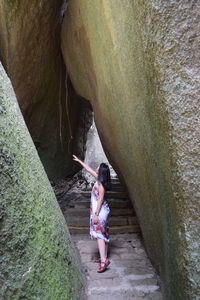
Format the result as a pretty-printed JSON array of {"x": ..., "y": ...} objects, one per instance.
[
  {"x": 102, "y": 269},
  {"x": 98, "y": 260},
  {"x": 107, "y": 262}
]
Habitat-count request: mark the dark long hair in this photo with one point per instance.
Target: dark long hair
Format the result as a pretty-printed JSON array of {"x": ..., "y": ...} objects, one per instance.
[{"x": 104, "y": 176}]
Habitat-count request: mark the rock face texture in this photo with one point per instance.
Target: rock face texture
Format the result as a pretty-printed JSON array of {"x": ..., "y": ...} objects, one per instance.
[
  {"x": 94, "y": 154},
  {"x": 30, "y": 52},
  {"x": 37, "y": 255},
  {"x": 138, "y": 64}
]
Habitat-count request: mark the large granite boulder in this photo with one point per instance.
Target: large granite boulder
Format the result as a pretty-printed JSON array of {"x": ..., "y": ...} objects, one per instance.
[
  {"x": 138, "y": 64},
  {"x": 38, "y": 259},
  {"x": 30, "y": 53}
]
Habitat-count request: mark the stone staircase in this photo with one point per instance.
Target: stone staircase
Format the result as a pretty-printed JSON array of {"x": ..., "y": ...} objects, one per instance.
[
  {"x": 130, "y": 274},
  {"x": 122, "y": 215}
]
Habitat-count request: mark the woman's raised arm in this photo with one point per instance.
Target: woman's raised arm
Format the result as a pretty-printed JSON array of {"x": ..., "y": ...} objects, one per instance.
[{"x": 90, "y": 170}]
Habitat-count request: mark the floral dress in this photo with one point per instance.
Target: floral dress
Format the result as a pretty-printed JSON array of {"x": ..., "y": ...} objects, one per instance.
[{"x": 101, "y": 229}]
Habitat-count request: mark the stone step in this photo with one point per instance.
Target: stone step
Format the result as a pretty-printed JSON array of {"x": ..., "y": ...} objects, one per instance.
[
  {"x": 117, "y": 188},
  {"x": 109, "y": 194},
  {"x": 83, "y": 212},
  {"x": 115, "y": 179},
  {"x": 118, "y": 203},
  {"x": 124, "y": 229},
  {"x": 113, "y": 221},
  {"x": 112, "y": 229},
  {"x": 116, "y": 183}
]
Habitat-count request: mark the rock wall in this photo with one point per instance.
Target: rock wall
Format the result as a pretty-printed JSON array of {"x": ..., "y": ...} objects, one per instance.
[
  {"x": 38, "y": 259},
  {"x": 30, "y": 52},
  {"x": 94, "y": 154},
  {"x": 138, "y": 64}
]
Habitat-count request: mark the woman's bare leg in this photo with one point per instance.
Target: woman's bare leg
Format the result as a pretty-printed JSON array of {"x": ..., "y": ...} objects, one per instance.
[
  {"x": 102, "y": 249},
  {"x": 106, "y": 250}
]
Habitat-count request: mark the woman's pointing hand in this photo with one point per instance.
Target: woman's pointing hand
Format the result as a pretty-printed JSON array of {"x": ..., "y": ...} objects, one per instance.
[{"x": 75, "y": 158}]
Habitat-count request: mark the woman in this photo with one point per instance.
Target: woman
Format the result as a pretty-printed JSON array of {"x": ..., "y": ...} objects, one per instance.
[{"x": 99, "y": 211}]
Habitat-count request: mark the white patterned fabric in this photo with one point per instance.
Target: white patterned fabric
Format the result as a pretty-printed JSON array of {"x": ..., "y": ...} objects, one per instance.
[{"x": 101, "y": 229}]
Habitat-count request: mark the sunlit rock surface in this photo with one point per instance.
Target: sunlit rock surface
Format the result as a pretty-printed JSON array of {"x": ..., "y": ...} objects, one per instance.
[
  {"x": 30, "y": 52},
  {"x": 38, "y": 259},
  {"x": 138, "y": 64},
  {"x": 94, "y": 154}
]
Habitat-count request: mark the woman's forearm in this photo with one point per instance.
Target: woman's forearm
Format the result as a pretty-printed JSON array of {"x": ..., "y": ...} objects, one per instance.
[
  {"x": 84, "y": 165},
  {"x": 90, "y": 170}
]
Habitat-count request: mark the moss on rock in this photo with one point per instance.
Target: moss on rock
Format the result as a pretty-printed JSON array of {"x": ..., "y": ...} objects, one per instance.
[{"x": 38, "y": 259}]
